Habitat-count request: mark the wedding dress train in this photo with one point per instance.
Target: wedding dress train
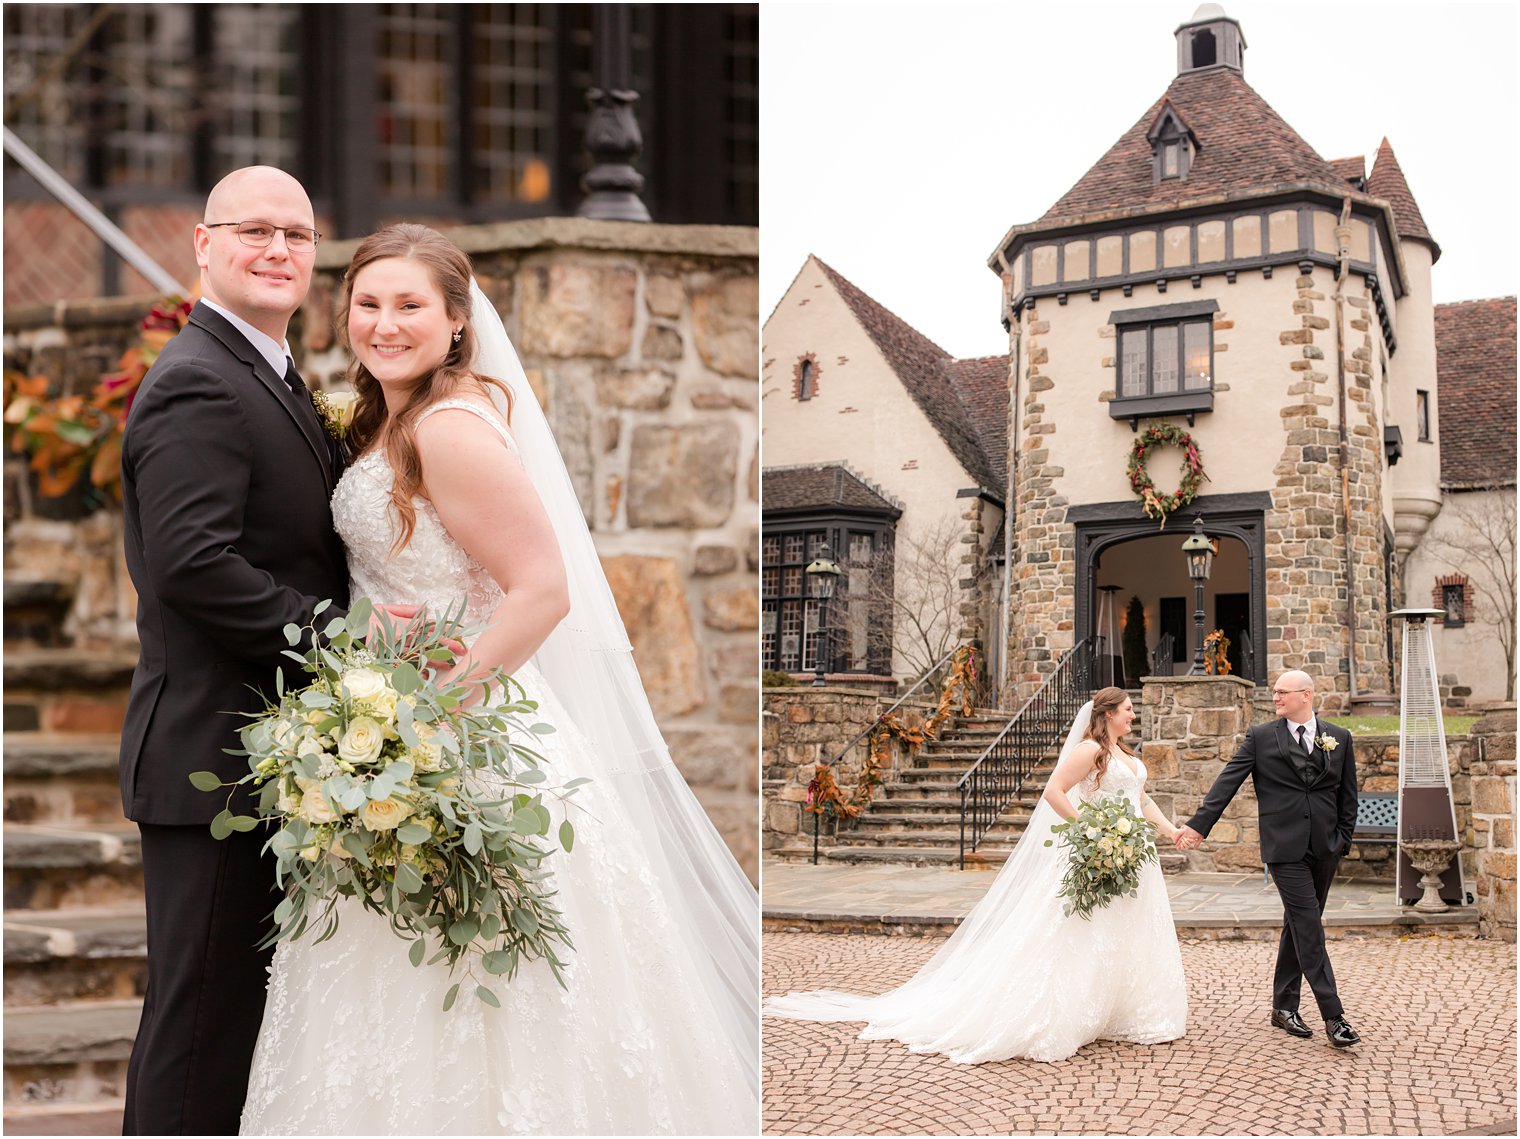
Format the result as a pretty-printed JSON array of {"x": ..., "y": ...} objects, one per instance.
[
  {"x": 1018, "y": 979},
  {"x": 355, "y": 1039}
]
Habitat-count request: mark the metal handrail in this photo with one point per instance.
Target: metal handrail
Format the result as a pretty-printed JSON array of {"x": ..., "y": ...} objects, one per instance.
[
  {"x": 1161, "y": 660},
  {"x": 102, "y": 226},
  {"x": 919, "y": 683},
  {"x": 999, "y": 773}
]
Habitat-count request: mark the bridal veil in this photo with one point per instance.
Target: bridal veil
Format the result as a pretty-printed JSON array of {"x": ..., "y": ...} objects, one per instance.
[{"x": 588, "y": 662}]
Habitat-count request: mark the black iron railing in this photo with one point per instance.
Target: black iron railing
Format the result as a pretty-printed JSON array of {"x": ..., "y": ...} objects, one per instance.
[
  {"x": 1162, "y": 663},
  {"x": 937, "y": 670},
  {"x": 1038, "y": 728}
]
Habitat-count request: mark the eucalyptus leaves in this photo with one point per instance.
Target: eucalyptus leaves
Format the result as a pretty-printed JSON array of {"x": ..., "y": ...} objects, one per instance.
[
  {"x": 388, "y": 788},
  {"x": 1108, "y": 844}
]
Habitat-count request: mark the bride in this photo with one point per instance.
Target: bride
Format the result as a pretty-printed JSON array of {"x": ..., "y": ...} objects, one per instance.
[
  {"x": 656, "y": 1030},
  {"x": 1018, "y": 979}
]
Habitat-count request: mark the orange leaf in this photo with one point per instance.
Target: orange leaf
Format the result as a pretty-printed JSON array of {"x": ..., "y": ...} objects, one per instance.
[{"x": 106, "y": 467}]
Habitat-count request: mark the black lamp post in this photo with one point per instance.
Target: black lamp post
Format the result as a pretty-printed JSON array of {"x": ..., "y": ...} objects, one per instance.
[
  {"x": 822, "y": 574},
  {"x": 1199, "y": 552}
]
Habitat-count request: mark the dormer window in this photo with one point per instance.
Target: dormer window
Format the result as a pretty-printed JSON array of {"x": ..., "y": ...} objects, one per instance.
[{"x": 1173, "y": 144}]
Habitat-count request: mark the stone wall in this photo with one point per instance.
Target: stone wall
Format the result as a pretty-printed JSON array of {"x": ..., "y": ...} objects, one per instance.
[
  {"x": 641, "y": 342},
  {"x": 1192, "y": 726},
  {"x": 799, "y": 729}
]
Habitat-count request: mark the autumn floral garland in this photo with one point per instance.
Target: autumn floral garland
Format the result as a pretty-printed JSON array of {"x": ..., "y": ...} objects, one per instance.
[
  {"x": 1165, "y": 435},
  {"x": 825, "y": 796}
]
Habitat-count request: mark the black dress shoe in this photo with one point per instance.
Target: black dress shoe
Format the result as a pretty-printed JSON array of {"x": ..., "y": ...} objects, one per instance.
[
  {"x": 1341, "y": 1034},
  {"x": 1290, "y": 1022}
]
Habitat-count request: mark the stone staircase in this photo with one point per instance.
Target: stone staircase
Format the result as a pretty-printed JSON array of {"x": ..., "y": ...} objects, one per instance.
[
  {"x": 914, "y": 818},
  {"x": 75, "y": 943}
]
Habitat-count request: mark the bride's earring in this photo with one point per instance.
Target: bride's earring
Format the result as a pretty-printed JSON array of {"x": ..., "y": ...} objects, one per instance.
[{"x": 458, "y": 335}]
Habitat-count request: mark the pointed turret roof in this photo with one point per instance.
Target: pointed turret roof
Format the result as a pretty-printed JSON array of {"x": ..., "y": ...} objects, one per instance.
[
  {"x": 1242, "y": 144},
  {"x": 952, "y": 398},
  {"x": 1387, "y": 181}
]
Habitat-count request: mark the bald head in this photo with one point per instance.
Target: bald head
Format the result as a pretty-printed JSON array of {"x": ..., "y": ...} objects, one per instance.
[
  {"x": 233, "y": 195},
  {"x": 1293, "y": 696},
  {"x": 262, "y": 284}
]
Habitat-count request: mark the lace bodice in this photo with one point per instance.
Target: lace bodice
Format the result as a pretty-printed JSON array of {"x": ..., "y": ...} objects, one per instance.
[
  {"x": 433, "y": 569},
  {"x": 1125, "y": 778}
]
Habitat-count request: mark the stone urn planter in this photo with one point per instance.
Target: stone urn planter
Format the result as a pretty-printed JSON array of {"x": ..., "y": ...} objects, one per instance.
[{"x": 1431, "y": 857}]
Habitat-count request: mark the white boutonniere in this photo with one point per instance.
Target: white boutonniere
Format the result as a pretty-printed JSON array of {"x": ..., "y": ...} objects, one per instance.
[
  {"x": 335, "y": 410},
  {"x": 1329, "y": 743}
]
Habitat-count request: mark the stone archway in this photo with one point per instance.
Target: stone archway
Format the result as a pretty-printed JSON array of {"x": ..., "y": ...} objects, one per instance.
[{"x": 1237, "y": 519}]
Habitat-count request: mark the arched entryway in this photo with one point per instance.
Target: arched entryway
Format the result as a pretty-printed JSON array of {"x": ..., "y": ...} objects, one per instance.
[{"x": 1116, "y": 545}]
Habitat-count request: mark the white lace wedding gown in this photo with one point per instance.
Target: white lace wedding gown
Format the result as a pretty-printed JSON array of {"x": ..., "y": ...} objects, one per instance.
[
  {"x": 1017, "y": 979},
  {"x": 355, "y": 1040}
]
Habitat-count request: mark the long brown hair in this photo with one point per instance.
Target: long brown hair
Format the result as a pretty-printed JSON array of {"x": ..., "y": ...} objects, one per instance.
[
  {"x": 1104, "y": 701},
  {"x": 449, "y": 268}
]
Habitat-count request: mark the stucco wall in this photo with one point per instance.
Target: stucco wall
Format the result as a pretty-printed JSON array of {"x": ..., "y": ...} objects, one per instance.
[
  {"x": 1471, "y": 656},
  {"x": 860, "y": 415}
]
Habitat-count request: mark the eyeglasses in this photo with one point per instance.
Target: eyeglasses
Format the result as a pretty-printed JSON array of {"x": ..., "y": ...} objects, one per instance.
[
  {"x": 260, "y": 234},
  {"x": 1276, "y": 692}
]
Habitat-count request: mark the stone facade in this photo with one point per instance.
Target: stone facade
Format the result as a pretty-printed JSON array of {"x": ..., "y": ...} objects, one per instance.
[
  {"x": 801, "y": 728},
  {"x": 1192, "y": 727},
  {"x": 641, "y": 342}
]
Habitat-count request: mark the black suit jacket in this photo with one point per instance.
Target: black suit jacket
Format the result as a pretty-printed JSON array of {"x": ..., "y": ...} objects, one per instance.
[
  {"x": 226, "y": 483},
  {"x": 1295, "y": 819}
]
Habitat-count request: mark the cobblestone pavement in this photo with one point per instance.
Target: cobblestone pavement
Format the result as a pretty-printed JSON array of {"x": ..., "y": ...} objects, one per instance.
[{"x": 1437, "y": 1018}]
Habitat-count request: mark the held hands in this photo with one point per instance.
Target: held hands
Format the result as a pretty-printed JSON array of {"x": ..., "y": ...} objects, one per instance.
[
  {"x": 1187, "y": 838},
  {"x": 399, "y": 616}
]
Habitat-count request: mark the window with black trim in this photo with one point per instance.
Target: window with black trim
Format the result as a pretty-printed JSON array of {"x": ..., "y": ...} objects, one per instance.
[
  {"x": 1164, "y": 360},
  {"x": 858, "y": 615}
]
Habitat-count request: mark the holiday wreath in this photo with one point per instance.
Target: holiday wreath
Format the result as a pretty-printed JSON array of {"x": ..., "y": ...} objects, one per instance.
[{"x": 1165, "y": 435}]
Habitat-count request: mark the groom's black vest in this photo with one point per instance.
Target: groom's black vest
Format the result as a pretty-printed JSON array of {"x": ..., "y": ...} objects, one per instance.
[
  {"x": 1305, "y": 805},
  {"x": 226, "y": 482}
]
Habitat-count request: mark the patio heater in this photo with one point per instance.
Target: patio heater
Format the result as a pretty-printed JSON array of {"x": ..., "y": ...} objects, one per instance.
[
  {"x": 1429, "y": 874},
  {"x": 1105, "y": 627}
]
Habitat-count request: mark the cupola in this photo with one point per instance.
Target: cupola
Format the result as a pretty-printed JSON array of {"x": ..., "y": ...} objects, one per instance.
[{"x": 1210, "y": 39}]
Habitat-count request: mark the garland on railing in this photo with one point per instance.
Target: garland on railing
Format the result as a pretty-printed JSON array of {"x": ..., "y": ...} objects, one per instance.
[
  {"x": 824, "y": 793},
  {"x": 1215, "y": 647},
  {"x": 68, "y": 436}
]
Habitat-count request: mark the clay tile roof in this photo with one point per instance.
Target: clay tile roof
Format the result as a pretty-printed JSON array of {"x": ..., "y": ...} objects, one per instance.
[
  {"x": 921, "y": 366},
  {"x": 1387, "y": 181},
  {"x": 1353, "y": 170},
  {"x": 983, "y": 387},
  {"x": 1242, "y": 143},
  {"x": 1475, "y": 377},
  {"x": 821, "y": 486}
]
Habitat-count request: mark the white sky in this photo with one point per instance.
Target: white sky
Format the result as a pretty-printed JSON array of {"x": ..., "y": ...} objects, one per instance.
[{"x": 899, "y": 142}]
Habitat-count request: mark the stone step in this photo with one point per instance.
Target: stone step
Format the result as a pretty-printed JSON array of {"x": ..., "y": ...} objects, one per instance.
[
  {"x": 61, "y": 778},
  {"x": 65, "y": 867},
  {"x": 66, "y": 690},
  {"x": 35, "y": 609},
  {"x": 888, "y": 820},
  {"x": 921, "y": 803},
  {"x": 985, "y": 858},
  {"x": 54, "y": 956},
  {"x": 68, "y": 1054},
  {"x": 1001, "y": 835},
  {"x": 97, "y": 1117}
]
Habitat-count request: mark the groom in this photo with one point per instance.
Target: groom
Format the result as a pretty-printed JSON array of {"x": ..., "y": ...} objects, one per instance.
[
  {"x": 226, "y": 477},
  {"x": 1305, "y": 779}
]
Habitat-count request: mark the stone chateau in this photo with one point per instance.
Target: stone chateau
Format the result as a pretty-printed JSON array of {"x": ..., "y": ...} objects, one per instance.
[{"x": 1210, "y": 272}]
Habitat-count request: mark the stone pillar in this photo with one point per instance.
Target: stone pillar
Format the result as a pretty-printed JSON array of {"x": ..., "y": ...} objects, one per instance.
[
  {"x": 1492, "y": 825},
  {"x": 1192, "y": 726}
]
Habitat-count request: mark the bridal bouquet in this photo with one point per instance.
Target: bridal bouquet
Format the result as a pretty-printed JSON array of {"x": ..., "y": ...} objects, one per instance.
[
  {"x": 1108, "y": 844},
  {"x": 382, "y": 785}
]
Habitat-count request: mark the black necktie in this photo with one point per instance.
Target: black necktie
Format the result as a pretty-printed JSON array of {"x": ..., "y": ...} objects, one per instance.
[
  {"x": 1303, "y": 730},
  {"x": 302, "y": 393}
]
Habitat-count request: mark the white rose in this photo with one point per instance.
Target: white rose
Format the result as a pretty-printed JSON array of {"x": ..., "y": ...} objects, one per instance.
[
  {"x": 315, "y": 806},
  {"x": 364, "y": 683},
  {"x": 1123, "y": 826},
  {"x": 310, "y": 744},
  {"x": 337, "y": 848},
  {"x": 363, "y": 740},
  {"x": 1092, "y": 832},
  {"x": 384, "y": 814},
  {"x": 283, "y": 732}
]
